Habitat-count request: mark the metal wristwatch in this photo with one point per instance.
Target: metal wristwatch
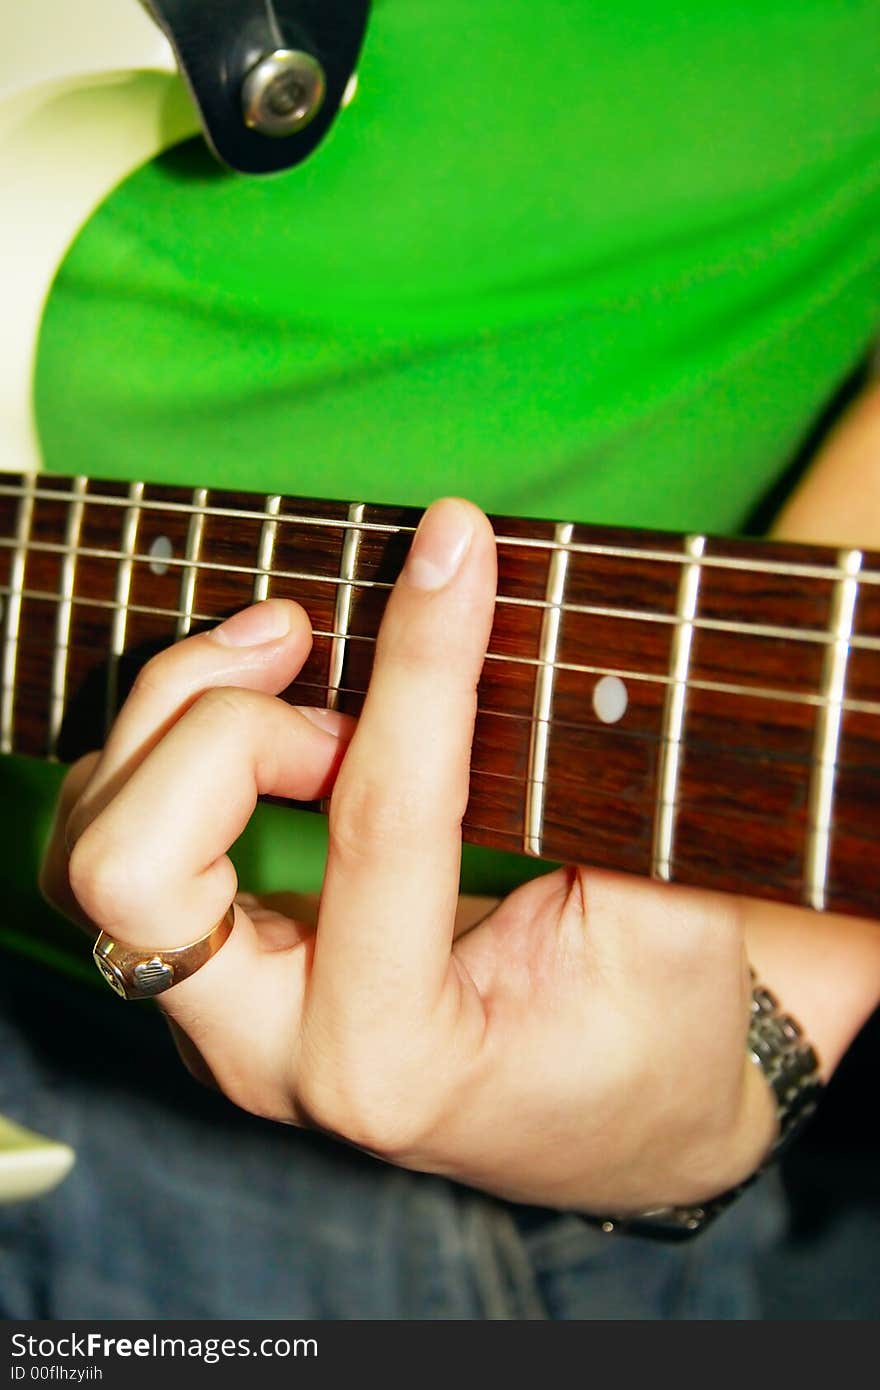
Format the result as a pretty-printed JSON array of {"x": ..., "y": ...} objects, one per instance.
[{"x": 776, "y": 1044}]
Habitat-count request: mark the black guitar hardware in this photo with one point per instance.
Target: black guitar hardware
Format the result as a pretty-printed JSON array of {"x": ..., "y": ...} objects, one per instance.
[{"x": 267, "y": 76}]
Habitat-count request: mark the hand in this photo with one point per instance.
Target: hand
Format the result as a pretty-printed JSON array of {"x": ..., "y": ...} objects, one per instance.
[{"x": 583, "y": 1046}]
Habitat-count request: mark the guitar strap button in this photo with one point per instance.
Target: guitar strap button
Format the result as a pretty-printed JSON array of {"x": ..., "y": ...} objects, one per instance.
[{"x": 283, "y": 92}]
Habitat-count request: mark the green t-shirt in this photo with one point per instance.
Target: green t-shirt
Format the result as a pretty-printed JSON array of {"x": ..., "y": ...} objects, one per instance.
[{"x": 592, "y": 261}]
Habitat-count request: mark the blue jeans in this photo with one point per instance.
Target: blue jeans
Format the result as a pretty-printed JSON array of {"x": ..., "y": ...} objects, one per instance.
[{"x": 180, "y": 1206}]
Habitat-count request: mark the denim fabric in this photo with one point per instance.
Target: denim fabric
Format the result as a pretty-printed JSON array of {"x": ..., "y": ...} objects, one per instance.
[{"x": 179, "y": 1206}]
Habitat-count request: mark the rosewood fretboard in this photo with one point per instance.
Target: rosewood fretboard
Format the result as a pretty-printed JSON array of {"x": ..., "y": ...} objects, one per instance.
[{"x": 699, "y": 710}]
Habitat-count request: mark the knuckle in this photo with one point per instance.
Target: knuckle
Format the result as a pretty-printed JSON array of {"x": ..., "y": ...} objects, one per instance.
[
  {"x": 370, "y": 820},
  {"x": 222, "y": 704},
  {"x": 364, "y": 821},
  {"x": 155, "y": 675},
  {"x": 371, "y": 1107},
  {"x": 99, "y": 877},
  {"x": 369, "y": 1124}
]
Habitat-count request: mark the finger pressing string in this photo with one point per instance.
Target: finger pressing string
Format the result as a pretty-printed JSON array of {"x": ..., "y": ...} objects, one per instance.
[
  {"x": 260, "y": 648},
  {"x": 395, "y": 816}
]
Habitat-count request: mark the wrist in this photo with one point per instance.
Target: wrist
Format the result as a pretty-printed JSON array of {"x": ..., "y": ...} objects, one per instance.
[
  {"x": 748, "y": 1142},
  {"x": 772, "y": 1113}
]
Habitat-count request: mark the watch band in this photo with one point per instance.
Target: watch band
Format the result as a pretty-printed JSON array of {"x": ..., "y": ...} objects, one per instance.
[{"x": 776, "y": 1044}]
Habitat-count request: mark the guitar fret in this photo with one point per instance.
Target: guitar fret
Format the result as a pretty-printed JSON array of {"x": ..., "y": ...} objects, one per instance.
[
  {"x": 123, "y": 590},
  {"x": 827, "y": 739},
  {"x": 267, "y": 548},
  {"x": 191, "y": 560},
  {"x": 13, "y": 612},
  {"x": 539, "y": 745},
  {"x": 731, "y": 652},
  {"x": 674, "y": 710},
  {"x": 65, "y": 614},
  {"x": 342, "y": 614}
]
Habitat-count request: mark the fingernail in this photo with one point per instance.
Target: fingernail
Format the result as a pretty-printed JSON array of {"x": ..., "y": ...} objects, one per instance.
[
  {"x": 329, "y": 720},
  {"x": 439, "y": 545},
  {"x": 263, "y": 622}
]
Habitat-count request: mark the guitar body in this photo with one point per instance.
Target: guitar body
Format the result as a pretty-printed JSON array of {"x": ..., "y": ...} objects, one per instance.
[{"x": 87, "y": 93}]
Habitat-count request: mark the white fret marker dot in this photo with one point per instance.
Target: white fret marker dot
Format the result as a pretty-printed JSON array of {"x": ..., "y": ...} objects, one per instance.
[
  {"x": 160, "y": 553},
  {"x": 610, "y": 699}
]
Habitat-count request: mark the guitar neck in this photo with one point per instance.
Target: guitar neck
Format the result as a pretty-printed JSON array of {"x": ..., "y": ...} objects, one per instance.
[{"x": 693, "y": 709}]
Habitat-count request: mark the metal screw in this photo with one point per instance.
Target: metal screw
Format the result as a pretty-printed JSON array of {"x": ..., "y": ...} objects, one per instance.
[{"x": 283, "y": 92}]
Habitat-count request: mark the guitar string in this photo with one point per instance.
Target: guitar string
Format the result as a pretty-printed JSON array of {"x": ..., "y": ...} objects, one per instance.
[
  {"x": 797, "y": 569},
  {"x": 800, "y": 698},
  {"x": 616, "y": 731},
  {"x": 670, "y": 619},
  {"x": 721, "y": 815},
  {"x": 518, "y": 784}
]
